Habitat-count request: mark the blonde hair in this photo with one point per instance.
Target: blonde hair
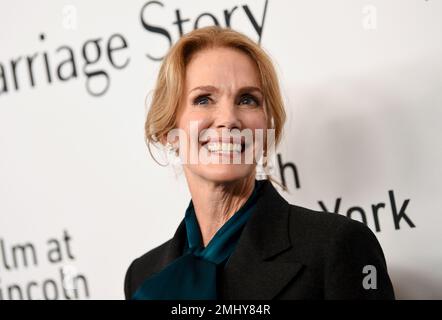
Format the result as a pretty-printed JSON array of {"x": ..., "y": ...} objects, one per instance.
[{"x": 169, "y": 87}]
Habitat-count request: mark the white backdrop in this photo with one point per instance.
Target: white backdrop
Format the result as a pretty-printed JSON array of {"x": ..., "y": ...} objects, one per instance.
[{"x": 80, "y": 197}]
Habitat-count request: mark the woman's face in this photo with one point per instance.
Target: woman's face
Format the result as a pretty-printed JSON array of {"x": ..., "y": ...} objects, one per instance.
[{"x": 221, "y": 108}]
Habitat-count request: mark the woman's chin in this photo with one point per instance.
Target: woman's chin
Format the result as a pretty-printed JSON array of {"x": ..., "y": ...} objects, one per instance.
[{"x": 226, "y": 172}]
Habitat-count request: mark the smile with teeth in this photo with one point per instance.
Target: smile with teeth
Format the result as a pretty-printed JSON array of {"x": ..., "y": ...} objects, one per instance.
[{"x": 224, "y": 147}]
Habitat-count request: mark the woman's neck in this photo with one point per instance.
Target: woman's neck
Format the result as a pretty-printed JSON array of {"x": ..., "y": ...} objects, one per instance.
[{"x": 215, "y": 203}]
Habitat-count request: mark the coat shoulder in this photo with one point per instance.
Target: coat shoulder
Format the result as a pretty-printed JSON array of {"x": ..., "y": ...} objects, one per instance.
[
  {"x": 320, "y": 232},
  {"x": 323, "y": 223}
]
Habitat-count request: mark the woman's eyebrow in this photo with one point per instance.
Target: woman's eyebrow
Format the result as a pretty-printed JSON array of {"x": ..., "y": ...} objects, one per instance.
[
  {"x": 250, "y": 89},
  {"x": 215, "y": 89},
  {"x": 205, "y": 88}
]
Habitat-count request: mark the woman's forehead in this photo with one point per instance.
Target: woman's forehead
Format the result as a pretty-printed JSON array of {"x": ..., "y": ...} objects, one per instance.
[{"x": 221, "y": 68}]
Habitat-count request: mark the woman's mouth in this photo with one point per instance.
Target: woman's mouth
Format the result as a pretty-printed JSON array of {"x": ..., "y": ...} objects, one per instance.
[
  {"x": 224, "y": 147},
  {"x": 221, "y": 147}
]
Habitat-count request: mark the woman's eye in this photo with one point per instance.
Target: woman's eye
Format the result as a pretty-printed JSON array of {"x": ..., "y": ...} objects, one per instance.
[
  {"x": 249, "y": 100},
  {"x": 201, "y": 100}
]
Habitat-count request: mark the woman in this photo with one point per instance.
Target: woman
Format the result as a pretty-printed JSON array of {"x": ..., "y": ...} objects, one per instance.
[{"x": 239, "y": 238}]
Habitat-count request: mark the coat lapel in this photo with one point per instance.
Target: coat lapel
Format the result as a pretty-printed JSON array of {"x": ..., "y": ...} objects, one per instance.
[
  {"x": 174, "y": 247},
  {"x": 257, "y": 269}
]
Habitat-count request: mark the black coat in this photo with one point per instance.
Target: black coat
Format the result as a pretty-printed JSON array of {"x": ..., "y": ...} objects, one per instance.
[{"x": 287, "y": 252}]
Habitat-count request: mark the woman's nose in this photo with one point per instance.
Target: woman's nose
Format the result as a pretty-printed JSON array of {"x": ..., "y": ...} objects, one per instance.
[{"x": 227, "y": 116}]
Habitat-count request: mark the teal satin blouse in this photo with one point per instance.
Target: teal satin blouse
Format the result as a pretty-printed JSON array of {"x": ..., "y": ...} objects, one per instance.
[{"x": 193, "y": 276}]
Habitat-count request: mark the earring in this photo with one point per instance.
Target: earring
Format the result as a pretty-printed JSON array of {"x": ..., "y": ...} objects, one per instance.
[
  {"x": 169, "y": 147},
  {"x": 172, "y": 153},
  {"x": 173, "y": 158},
  {"x": 263, "y": 166}
]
